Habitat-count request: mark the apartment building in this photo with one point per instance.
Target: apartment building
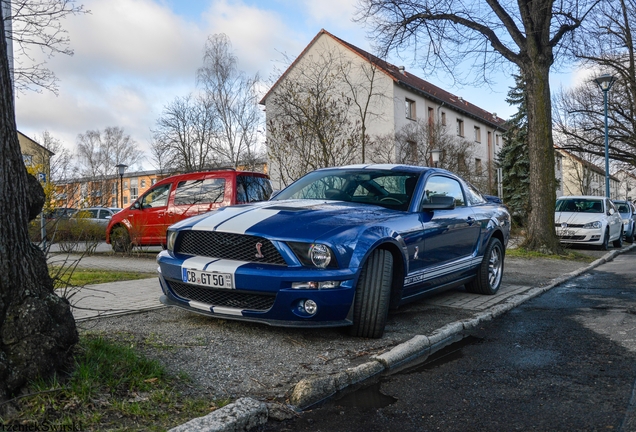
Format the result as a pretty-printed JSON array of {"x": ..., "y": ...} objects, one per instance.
[{"x": 577, "y": 176}]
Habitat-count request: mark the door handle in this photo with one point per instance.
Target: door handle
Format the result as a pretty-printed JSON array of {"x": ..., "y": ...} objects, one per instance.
[{"x": 470, "y": 220}]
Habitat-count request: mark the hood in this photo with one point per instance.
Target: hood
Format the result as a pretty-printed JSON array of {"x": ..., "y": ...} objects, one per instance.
[
  {"x": 578, "y": 218},
  {"x": 303, "y": 220}
]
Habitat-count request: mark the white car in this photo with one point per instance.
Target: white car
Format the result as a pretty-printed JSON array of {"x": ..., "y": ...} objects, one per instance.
[{"x": 590, "y": 220}]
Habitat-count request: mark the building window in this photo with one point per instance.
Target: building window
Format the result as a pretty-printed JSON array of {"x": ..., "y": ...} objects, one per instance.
[
  {"x": 125, "y": 200},
  {"x": 28, "y": 159},
  {"x": 113, "y": 202},
  {"x": 134, "y": 190},
  {"x": 431, "y": 116},
  {"x": 153, "y": 181},
  {"x": 125, "y": 184},
  {"x": 443, "y": 118},
  {"x": 460, "y": 127},
  {"x": 558, "y": 162},
  {"x": 477, "y": 134},
  {"x": 410, "y": 109},
  {"x": 143, "y": 183},
  {"x": 478, "y": 168}
]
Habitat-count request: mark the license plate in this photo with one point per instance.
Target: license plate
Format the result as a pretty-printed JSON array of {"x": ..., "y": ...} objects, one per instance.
[{"x": 208, "y": 279}]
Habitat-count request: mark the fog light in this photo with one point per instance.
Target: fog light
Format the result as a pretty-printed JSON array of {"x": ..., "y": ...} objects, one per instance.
[{"x": 310, "y": 307}]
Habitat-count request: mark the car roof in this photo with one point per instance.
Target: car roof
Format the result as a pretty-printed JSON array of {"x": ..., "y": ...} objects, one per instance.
[
  {"x": 388, "y": 167},
  {"x": 581, "y": 197},
  {"x": 199, "y": 174}
]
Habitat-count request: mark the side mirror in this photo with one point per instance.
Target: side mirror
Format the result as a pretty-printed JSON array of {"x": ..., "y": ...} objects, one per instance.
[
  {"x": 136, "y": 205},
  {"x": 439, "y": 202}
]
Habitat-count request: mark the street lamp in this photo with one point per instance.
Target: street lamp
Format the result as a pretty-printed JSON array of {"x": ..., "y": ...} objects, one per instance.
[
  {"x": 605, "y": 82},
  {"x": 122, "y": 169},
  {"x": 435, "y": 154}
]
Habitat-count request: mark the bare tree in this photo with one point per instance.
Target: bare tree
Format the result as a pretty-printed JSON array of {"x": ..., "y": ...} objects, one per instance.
[
  {"x": 98, "y": 154},
  {"x": 231, "y": 96},
  {"x": 608, "y": 47},
  {"x": 37, "y": 329},
  {"x": 530, "y": 34},
  {"x": 37, "y": 24},
  {"x": 320, "y": 112},
  {"x": 184, "y": 135},
  {"x": 309, "y": 124},
  {"x": 61, "y": 162}
]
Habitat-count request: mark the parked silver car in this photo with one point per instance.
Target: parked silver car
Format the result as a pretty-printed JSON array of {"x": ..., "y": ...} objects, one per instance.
[
  {"x": 628, "y": 213},
  {"x": 98, "y": 215},
  {"x": 591, "y": 220}
]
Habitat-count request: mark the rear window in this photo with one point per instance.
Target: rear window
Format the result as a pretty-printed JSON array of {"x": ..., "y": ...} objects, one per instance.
[
  {"x": 251, "y": 189},
  {"x": 202, "y": 191},
  {"x": 622, "y": 208}
]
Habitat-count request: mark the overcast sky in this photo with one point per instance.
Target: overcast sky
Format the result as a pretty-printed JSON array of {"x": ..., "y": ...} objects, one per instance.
[{"x": 132, "y": 57}]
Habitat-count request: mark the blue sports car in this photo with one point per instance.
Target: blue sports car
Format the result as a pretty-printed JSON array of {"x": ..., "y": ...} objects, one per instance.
[{"x": 339, "y": 247}]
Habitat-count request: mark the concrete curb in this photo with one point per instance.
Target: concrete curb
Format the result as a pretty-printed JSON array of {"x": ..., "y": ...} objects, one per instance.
[
  {"x": 247, "y": 413},
  {"x": 242, "y": 415}
]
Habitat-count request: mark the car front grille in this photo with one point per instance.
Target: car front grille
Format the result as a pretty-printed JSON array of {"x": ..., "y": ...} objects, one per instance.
[
  {"x": 558, "y": 225},
  {"x": 230, "y": 246},
  {"x": 225, "y": 298},
  {"x": 574, "y": 237}
]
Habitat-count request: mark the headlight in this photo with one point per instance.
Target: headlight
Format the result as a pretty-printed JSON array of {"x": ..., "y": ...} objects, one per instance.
[
  {"x": 592, "y": 225},
  {"x": 314, "y": 254},
  {"x": 171, "y": 237}
]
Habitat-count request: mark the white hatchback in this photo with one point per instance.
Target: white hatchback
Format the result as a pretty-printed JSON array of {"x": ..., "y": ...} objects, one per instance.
[{"x": 589, "y": 220}]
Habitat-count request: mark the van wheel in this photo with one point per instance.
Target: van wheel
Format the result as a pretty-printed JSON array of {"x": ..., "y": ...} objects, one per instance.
[
  {"x": 120, "y": 240},
  {"x": 373, "y": 293},
  {"x": 490, "y": 271}
]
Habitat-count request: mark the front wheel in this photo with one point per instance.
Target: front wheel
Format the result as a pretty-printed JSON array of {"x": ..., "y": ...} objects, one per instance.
[
  {"x": 630, "y": 237},
  {"x": 120, "y": 240},
  {"x": 373, "y": 293},
  {"x": 605, "y": 245},
  {"x": 490, "y": 271},
  {"x": 618, "y": 243}
]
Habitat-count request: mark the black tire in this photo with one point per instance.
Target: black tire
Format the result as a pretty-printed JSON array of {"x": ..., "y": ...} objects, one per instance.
[
  {"x": 490, "y": 271},
  {"x": 605, "y": 245},
  {"x": 373, "y": 293},
  {"x": 120, "y": 240},
  {"x": 630, "y": 238},
  {"x": 619, "y": 242}
]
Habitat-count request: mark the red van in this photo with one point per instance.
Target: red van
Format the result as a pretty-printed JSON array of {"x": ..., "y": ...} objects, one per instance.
[{"x": 175, "y": 198}]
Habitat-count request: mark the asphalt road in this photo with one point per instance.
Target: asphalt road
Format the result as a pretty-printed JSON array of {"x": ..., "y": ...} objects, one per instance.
[{"x": 564, "y": 361}]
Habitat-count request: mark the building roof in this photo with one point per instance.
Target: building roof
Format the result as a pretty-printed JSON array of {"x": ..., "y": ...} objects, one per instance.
[
  {"x": 407, "y": 80},
  {"x": 32, "y": 141},
  {"x": 586, "y": 164}
]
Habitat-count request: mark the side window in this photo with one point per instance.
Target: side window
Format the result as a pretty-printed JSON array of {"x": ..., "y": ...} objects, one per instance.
[
  {"x": 206, "y": 191},
  {"x": 103, "y": 214},
  {"x": 250, "y": 189},
  {"x": 157, "y": 197},
  {"x": 445, "y": 186}
]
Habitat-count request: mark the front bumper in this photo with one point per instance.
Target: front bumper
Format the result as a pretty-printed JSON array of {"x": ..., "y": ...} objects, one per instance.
[
  {"x": 260, "y": 293},
  {"x": 592, "y": 236}
]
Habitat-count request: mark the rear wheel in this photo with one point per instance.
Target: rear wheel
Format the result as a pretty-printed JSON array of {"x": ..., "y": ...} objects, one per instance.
[
  {"x": 373, "y": 293},
  {"x": 120, "y": 240},
  {"x": 630, "y": 237},
  {"x": 490, "y": 271},
  {"x": 618, "y": 243}
]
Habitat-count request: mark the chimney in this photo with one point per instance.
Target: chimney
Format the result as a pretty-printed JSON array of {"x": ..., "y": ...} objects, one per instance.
[{"x": 401, "y": 69}]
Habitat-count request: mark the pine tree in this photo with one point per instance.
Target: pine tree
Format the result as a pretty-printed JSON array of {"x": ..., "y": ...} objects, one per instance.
[{"x": 514, "y": 158}]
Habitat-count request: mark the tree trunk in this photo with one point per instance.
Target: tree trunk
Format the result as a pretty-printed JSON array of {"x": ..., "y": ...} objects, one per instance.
[
  {"x": 37, "y": 328},
  {"x": 541, "y": 235}
]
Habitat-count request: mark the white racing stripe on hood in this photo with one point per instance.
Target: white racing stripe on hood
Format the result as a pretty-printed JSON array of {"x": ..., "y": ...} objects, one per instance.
[
  {"x": 214, "y": 219},
  {"x": 242, "y": 222}
]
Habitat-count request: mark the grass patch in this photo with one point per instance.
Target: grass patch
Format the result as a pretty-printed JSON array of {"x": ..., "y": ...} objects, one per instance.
[
  {"x": 111, "y": 387},
  {"x": 69, "y": 276},
  {"x": 568, "y": 254}
]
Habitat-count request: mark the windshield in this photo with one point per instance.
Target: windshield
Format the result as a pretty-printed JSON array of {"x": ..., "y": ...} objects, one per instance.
[
  {"x": 390, "y": 189},
  {"x": 579, "y": 205}
]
